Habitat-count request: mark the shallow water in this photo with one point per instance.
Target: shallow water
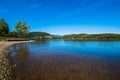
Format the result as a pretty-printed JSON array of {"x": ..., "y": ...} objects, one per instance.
[{"x": 66, "y": 60}]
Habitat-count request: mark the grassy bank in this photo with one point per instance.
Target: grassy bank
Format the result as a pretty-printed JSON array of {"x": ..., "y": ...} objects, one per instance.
[{"x": 12, "y": 39}]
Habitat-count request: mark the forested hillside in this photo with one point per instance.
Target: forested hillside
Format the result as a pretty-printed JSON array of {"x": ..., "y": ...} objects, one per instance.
[{"x": 84, "y": 37}]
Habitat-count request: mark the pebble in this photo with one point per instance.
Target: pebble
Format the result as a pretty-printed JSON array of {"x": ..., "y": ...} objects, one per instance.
[{"x": 5, "y": 68}]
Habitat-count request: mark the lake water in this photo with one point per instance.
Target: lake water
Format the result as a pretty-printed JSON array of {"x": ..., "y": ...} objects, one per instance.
[{"x": 66, "y": 60}]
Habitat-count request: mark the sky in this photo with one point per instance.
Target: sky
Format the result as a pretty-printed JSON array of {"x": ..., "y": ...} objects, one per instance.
[{"x": 61, "y": 17}]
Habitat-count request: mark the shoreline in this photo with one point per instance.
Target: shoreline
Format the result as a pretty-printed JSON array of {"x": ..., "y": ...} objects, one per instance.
[
  {"x": 5, "y": 45},
  {"x": 5, "y": 64}
]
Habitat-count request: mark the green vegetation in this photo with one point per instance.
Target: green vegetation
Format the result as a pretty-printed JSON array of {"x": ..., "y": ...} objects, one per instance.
[
  {"x": 92, "y": 37},
  {"x": 19, "y": 33},
  {"x": 21, "y": 29},
  {"x": 4, "y": 28},
  {"x": 39, "y": 35},
  {"x": 12, "y": 39}
]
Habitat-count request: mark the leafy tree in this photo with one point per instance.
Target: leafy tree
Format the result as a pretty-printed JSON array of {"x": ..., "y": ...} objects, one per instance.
[
  {"x": 12, "y": 34},
  {"x": 22, "y": 29},
  {"x": 4, "y": 29}
]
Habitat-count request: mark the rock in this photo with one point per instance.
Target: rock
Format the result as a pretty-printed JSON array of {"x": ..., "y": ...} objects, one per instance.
[{"x": 5, "y": 68}]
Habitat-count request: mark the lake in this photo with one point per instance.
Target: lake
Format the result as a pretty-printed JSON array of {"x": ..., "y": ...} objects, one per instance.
[{"x": 66, "y": 60}]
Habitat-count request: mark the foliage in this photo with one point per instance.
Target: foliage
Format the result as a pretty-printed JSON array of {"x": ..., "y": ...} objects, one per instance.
[
  {"x": 22, "y": 29},
  {"x": 21, "y": 32},
  {"x": 12, "y": 34},
  {"x": 12, "y": 39},
  {"x": 85, "y": 37},
  {"x": 38, "y": 35},
  {"x": 4, "y": 29}
]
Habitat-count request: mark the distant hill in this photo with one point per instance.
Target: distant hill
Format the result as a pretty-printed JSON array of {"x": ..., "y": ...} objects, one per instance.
[
  {"x": 57, "y": 35},
  {"x": 93, "y": 37},
  {"x": 41, "y": 35}
]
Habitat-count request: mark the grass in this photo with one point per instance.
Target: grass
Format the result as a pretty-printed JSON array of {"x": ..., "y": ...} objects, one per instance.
[
  {"x": 12, "y": 39},
  {"x": 3, "y": 38}
]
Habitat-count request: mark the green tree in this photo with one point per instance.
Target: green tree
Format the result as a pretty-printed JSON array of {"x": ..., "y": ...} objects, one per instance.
[
  {"x": 12, "y": 34},
  {"x": 4, "y": 29},
  {"x": 22, "y": 29}
]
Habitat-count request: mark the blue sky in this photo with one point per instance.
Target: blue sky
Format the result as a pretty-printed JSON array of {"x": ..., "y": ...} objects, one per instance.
[{"x": 64, "y": 16}]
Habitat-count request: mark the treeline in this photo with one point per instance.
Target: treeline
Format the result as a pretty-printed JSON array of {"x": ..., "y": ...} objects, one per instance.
[
  {"x": 21, "y": 29},
  {"x": 92, "y": 37}
]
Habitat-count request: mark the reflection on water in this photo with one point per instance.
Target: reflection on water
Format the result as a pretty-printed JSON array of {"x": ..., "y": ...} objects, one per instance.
[
  {"x": 66, "y": 60},
  {"x": 20, "y": 52}
]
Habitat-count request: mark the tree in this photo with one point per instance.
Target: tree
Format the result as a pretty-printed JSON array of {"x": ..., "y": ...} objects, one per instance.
[
  {"x": 12, "y": 34},
  {"x": 4, "y": 29},
  {"x": 22, "y": 29}
]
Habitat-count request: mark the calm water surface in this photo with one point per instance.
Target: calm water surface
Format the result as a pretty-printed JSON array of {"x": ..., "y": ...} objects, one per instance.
[{"x": 66, "y": 60}]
